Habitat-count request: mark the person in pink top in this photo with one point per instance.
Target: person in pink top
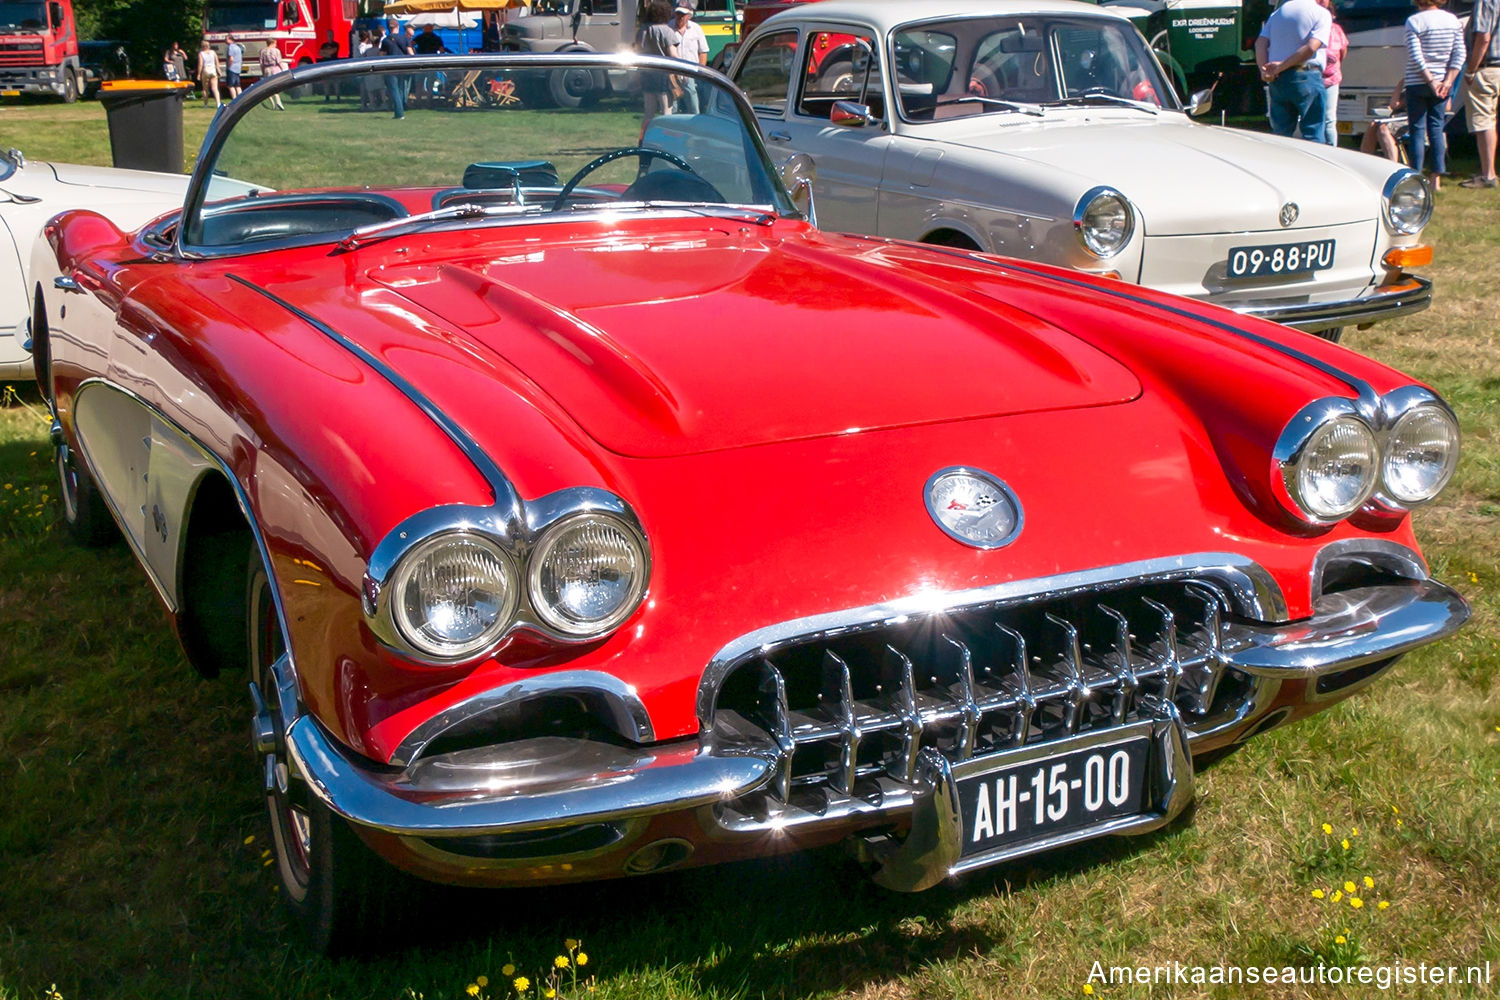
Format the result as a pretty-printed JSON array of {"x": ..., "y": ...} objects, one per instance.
[{"x": 1333, "y": 75}]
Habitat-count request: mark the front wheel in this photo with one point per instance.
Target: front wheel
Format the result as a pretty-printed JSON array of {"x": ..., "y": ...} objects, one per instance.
[
  {"x": 343, "y": 895},
  {"x": 84, "y": 512},
  {"x": 70, "y": 87}
]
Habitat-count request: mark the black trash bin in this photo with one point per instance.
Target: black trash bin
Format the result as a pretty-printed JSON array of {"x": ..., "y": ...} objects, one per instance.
[{"x": 145, "y": 123}]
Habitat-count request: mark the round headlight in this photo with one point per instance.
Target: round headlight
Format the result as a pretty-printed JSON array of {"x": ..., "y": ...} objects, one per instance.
[
  {"x": 1408, "y": 202},
  {"x": 1104, "y": 222},
  {"x": 588, "y": 574},
  {"x": 453, "y": 595},
  {"x": 1420, "y": 455},
  {"x": 1334, "y": 472}
]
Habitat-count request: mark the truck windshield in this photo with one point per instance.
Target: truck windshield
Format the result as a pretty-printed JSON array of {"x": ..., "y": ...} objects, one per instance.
[
  {"x": 236, "y": 15},
  {"x": 23, "y": 16}
]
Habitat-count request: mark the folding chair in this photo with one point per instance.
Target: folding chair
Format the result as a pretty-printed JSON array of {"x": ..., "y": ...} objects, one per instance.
[
  {"x": 503, "y": 93},
  {"x": 466, "y": 94}
]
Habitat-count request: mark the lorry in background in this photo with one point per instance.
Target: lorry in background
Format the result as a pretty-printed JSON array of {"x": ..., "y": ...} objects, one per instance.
[
  {"x": 1376, "y": 59},
  {"x": 39, "y": 49},
  {"x": 301, "y": 28},
  {"x": 604, "y": 26}
]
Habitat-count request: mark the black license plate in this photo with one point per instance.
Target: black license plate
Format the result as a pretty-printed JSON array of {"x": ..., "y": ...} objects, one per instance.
[
  {"x": 1281, "y": 258},
  {"x": 1055, "y": 794}
]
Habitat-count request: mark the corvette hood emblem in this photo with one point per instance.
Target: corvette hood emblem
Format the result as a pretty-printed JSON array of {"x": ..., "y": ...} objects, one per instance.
[{"x": 973, "y": 507}]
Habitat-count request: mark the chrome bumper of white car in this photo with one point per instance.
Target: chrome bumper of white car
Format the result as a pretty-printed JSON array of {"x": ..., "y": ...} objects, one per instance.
[
  {"x": 885, "y": 757},
  {"x": 1409, "y": 295}
]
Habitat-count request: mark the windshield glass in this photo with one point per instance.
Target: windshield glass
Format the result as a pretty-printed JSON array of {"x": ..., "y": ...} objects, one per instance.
[
  {"x": 228, "y": 16},
  {"x": 475, "y": 132},
  {"x": 988, "y": 65},
  {"x": 23, "y": 16}
]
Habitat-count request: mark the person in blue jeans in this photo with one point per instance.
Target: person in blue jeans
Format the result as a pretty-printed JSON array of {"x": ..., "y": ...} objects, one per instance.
[
  {"x": 394, "y": 44},
  {"x": 1290, "y": 52},
  {"x": 1435, "y": 55}
]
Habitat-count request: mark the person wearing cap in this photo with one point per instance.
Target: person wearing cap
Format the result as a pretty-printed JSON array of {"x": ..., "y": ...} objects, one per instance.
[
  {"x": 1291, "y": 54},
  {"x": 692, "y": 46}
]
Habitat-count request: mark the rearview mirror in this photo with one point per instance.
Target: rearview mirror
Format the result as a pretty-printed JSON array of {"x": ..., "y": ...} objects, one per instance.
[
  {"x": 798, "y": 174},
  {"x": 1201, "y": 102}
]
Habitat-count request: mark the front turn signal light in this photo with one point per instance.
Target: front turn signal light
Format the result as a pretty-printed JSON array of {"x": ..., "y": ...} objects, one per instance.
[{"x": 1402, "y": 257}]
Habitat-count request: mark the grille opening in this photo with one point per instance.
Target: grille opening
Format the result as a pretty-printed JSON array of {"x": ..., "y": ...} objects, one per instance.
[
  {"x": 1337, "y": 681},
  {"x": 978, "y": 680},
  {"x": 532, "y": 844},
  {"x": 1354, "y": 573},
  {"x": 548, "y": 715}
]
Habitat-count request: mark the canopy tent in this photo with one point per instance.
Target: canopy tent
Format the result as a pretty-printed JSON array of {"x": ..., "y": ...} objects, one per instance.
[{"x": 443, "y": 6}]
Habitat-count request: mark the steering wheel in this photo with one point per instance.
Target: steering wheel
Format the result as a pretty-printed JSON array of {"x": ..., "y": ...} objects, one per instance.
[{"x": 643, "y": 153}]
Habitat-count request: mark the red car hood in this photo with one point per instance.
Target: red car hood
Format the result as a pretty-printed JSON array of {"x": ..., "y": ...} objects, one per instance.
[{"x": 707, "y": 337}]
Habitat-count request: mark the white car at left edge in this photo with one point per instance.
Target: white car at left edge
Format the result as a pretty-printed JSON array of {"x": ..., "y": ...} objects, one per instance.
[{"x": 31, "y": 193}]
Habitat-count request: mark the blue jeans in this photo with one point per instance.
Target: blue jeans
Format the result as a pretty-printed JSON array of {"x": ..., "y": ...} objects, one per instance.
[
  {"x": 395, "y": 88},
  {"x": 1425, "y": 118},
  {"x": 1295, "y": 101}
]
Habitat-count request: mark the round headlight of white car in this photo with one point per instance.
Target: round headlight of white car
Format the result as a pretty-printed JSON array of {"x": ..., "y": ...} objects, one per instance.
[
  {"x": 1103, "y": 221},
  {"x": 1421, "y": 453},
  {"x": 588, "y": 574},
  {"x": 1408, "y": 202},
  {"x": 453, "y": 595},
  {"x": 1334, "y": 472}
]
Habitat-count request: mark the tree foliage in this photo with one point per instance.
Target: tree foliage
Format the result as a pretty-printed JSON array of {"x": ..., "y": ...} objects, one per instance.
[{"x": 147, "y": 27}]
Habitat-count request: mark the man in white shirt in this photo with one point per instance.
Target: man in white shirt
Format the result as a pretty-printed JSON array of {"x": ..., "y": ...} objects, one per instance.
[
  {"x": 693, "y": 47},
  {"x": 1290, "y": 53}
]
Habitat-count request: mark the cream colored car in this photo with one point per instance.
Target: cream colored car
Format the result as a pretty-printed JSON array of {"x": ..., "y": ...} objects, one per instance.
[{"x": 1046, "y": 130}]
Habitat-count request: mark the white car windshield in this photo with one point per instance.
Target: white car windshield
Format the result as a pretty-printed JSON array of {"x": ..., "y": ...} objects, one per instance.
[
  {"x": 990, "y": 65},
  {"x": 458, "y": 141}
]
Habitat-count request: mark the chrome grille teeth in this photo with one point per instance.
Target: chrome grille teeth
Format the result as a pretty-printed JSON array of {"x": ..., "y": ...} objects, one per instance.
[{"x": 860, "y": 712}]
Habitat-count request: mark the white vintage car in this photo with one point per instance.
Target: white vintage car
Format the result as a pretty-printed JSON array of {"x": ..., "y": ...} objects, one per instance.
[
  {"x": 1046, "y": 130},
  {"x": 33, "y": 192}
]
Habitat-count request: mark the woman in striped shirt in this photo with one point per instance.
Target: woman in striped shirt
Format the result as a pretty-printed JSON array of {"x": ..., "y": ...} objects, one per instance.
[{"x": 1434, "y": 57}]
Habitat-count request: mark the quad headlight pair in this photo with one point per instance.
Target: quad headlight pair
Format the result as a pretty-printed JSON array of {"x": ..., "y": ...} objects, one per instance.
[
  {"x": 1332, "y": 460},
  {"x": 455, "y": 590}
]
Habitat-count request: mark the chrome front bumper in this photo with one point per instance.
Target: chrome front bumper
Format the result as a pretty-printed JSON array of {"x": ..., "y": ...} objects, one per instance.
[
  {"x": 700, "y": 784},
  {"x": 1412, "y": 294}
]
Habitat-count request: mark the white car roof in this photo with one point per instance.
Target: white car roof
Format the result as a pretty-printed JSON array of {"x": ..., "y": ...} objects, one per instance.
[{"x": 888, "y": 14}]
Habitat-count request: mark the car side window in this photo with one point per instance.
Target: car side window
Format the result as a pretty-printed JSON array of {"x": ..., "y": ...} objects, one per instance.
[
  {"x": 765, "y": 75},
  {"x": 839, "y": 67}
]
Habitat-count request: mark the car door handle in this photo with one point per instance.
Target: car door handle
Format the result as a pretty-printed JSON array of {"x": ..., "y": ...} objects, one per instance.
[
  {"x": 66, "y": 284},
  {"x": 779, "y": 136}
]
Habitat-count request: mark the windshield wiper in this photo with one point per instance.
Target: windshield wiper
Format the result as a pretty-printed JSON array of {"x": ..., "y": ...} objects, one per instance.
[
  {"x": 1111, "y": 99},
  {"x": 392, "y": 227},
  {"x": 995, "y": 102}
]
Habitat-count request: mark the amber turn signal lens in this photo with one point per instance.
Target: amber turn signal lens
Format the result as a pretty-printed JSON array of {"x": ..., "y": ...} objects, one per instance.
[{"x": 1417, "y": 256}]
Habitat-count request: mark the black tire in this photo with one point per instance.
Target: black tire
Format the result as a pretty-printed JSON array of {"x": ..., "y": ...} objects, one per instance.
[
  {"x": 575, "y": 87},
  {"x": 84, "y": 512},
  {"x": 345, "y": 898},
  {"x": 70, "y": 87},
  {"x": 1333, "y": 335}
]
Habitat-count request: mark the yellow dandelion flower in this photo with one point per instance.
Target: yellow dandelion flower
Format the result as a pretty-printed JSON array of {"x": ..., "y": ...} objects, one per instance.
[
  {"x": 1349, "y": 887},
  {"x": 1341, "y": 940},
  {"x": 250, "y": 840},
  {"x": 507, "y": 969},
  {"x": 472, "y": 989},
  {"x": 1328, "y": 828},
  {"x": 572, "y": 944},
  {"x": 1395, "y": 811},
  {"x": 1337, "y": 895},
  {"x": 266, "y": 853},
  {"x": 561, "y": 961},
  {"x": 1356, "y": 902},
  {"x": 1399, "y": 824},
  {"x": 522, "y": 984},
  {"x": 1317, "y": 894},
  {"x": 482, "y": 980},
  {"x": 1345, "y": 842},
  {"x": 1473, "y": 576},
  {"x": 1354, "y": 832},
  {"x": 268, "y": 862},
  {"x": 583, "y": 958},
  {"x": 1369, "y": 882},
  {"x": 550, "y": 993},
  {"x": 1088, "y": 989},
  {"x": 1383, "y": 904}
]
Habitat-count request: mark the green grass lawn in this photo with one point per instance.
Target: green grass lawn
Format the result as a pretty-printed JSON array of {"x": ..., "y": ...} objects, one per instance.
[{"x": 133, "y": 841}]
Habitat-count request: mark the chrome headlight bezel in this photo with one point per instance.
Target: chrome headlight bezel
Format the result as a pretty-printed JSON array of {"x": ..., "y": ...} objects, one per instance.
[
  {"x": 1397, "y": 409},
  {"x": 1307, "y": 428},
  {"x": 518, "y": 534},
  {"x": 547, "y": 544},
  {"x": 1093, "y": 201},
  {"x": 411, "y": 634},
  {"x": 1402, "y": 184}
]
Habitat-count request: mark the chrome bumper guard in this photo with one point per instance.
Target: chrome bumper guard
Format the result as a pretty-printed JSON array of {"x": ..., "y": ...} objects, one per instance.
[
  {"x": 555, "y": 782},
  {"x": 1412, "y": 295}
]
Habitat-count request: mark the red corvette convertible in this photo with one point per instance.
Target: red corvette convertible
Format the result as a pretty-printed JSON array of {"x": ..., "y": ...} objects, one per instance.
[{"x": 576, "y": 509}]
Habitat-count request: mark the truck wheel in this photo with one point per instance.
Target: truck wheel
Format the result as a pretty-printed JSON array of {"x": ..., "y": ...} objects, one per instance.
[
  {"x": 70, "y": 87},
  {"x": 573, "y": 88}
]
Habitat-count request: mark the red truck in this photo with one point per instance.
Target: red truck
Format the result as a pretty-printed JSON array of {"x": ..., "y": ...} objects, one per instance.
[{"x": 39, "y": 49}]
